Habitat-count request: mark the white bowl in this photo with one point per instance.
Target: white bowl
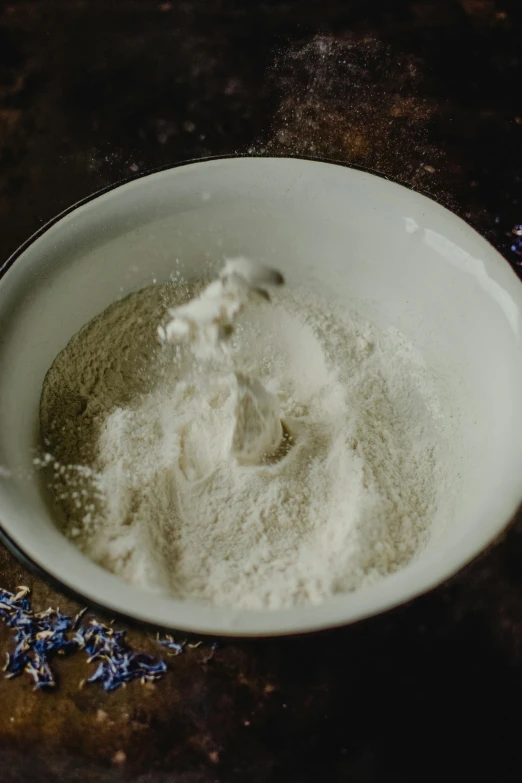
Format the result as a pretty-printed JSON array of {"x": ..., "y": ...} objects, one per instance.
[{"x": 406, "y": 260}]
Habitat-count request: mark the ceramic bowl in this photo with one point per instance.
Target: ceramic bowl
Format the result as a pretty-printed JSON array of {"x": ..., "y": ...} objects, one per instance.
[{"x": 400, "y": 257}]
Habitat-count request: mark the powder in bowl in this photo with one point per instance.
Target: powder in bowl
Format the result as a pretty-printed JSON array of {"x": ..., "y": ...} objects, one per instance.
[{"x": 140, "y": 440}]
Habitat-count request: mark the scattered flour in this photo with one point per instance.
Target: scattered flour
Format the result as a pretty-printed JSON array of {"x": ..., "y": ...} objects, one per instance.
[{"x": 141, "y": 439}]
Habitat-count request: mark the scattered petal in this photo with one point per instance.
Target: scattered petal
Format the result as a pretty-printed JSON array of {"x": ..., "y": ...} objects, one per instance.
[{"x": 40, "y": 636}]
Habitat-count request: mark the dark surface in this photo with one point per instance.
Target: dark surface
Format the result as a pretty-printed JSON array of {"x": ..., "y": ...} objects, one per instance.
[{"x": 429, "y": 92}]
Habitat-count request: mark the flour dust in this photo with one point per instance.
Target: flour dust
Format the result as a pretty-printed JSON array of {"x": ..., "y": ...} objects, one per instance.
[{"x": 352, "y": 98}]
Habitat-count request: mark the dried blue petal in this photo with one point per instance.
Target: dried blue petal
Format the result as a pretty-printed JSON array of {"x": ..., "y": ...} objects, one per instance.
[
  {"x": 16, "y": 665},
  {"x": 516, "y": 247},
  {"x": 38, "y": 637},
  {"x": 99, "y": 674},
  {"x": 169, "y": 642},
  {"x": 119, "y": 663},
  {"x": 210, "y": 655},
  {"x": 78, "y": 618}
]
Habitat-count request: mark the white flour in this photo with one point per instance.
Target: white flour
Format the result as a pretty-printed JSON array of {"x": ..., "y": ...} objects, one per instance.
[
  {"x": 157, "y": 497},
  {"x": 205, "y": 324}
]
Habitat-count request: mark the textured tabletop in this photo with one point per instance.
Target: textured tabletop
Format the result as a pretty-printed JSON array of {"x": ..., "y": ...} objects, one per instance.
[{"x": 428, "y": 92}]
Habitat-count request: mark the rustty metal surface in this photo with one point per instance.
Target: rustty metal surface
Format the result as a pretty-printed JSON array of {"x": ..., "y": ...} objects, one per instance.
[{"x": 427, "y": 92}]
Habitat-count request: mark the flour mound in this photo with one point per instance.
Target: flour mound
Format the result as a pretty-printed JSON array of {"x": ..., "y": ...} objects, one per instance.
[{"x": 141, "y": 444}]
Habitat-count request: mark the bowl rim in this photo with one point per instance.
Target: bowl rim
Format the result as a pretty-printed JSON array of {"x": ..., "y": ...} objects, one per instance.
[
  {"x": 5, "y": 265},
  {"x": 280, "y": 627}
]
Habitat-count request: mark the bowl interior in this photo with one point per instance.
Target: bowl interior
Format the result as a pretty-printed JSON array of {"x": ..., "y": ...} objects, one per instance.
[{"x": 395, "y": 256}]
